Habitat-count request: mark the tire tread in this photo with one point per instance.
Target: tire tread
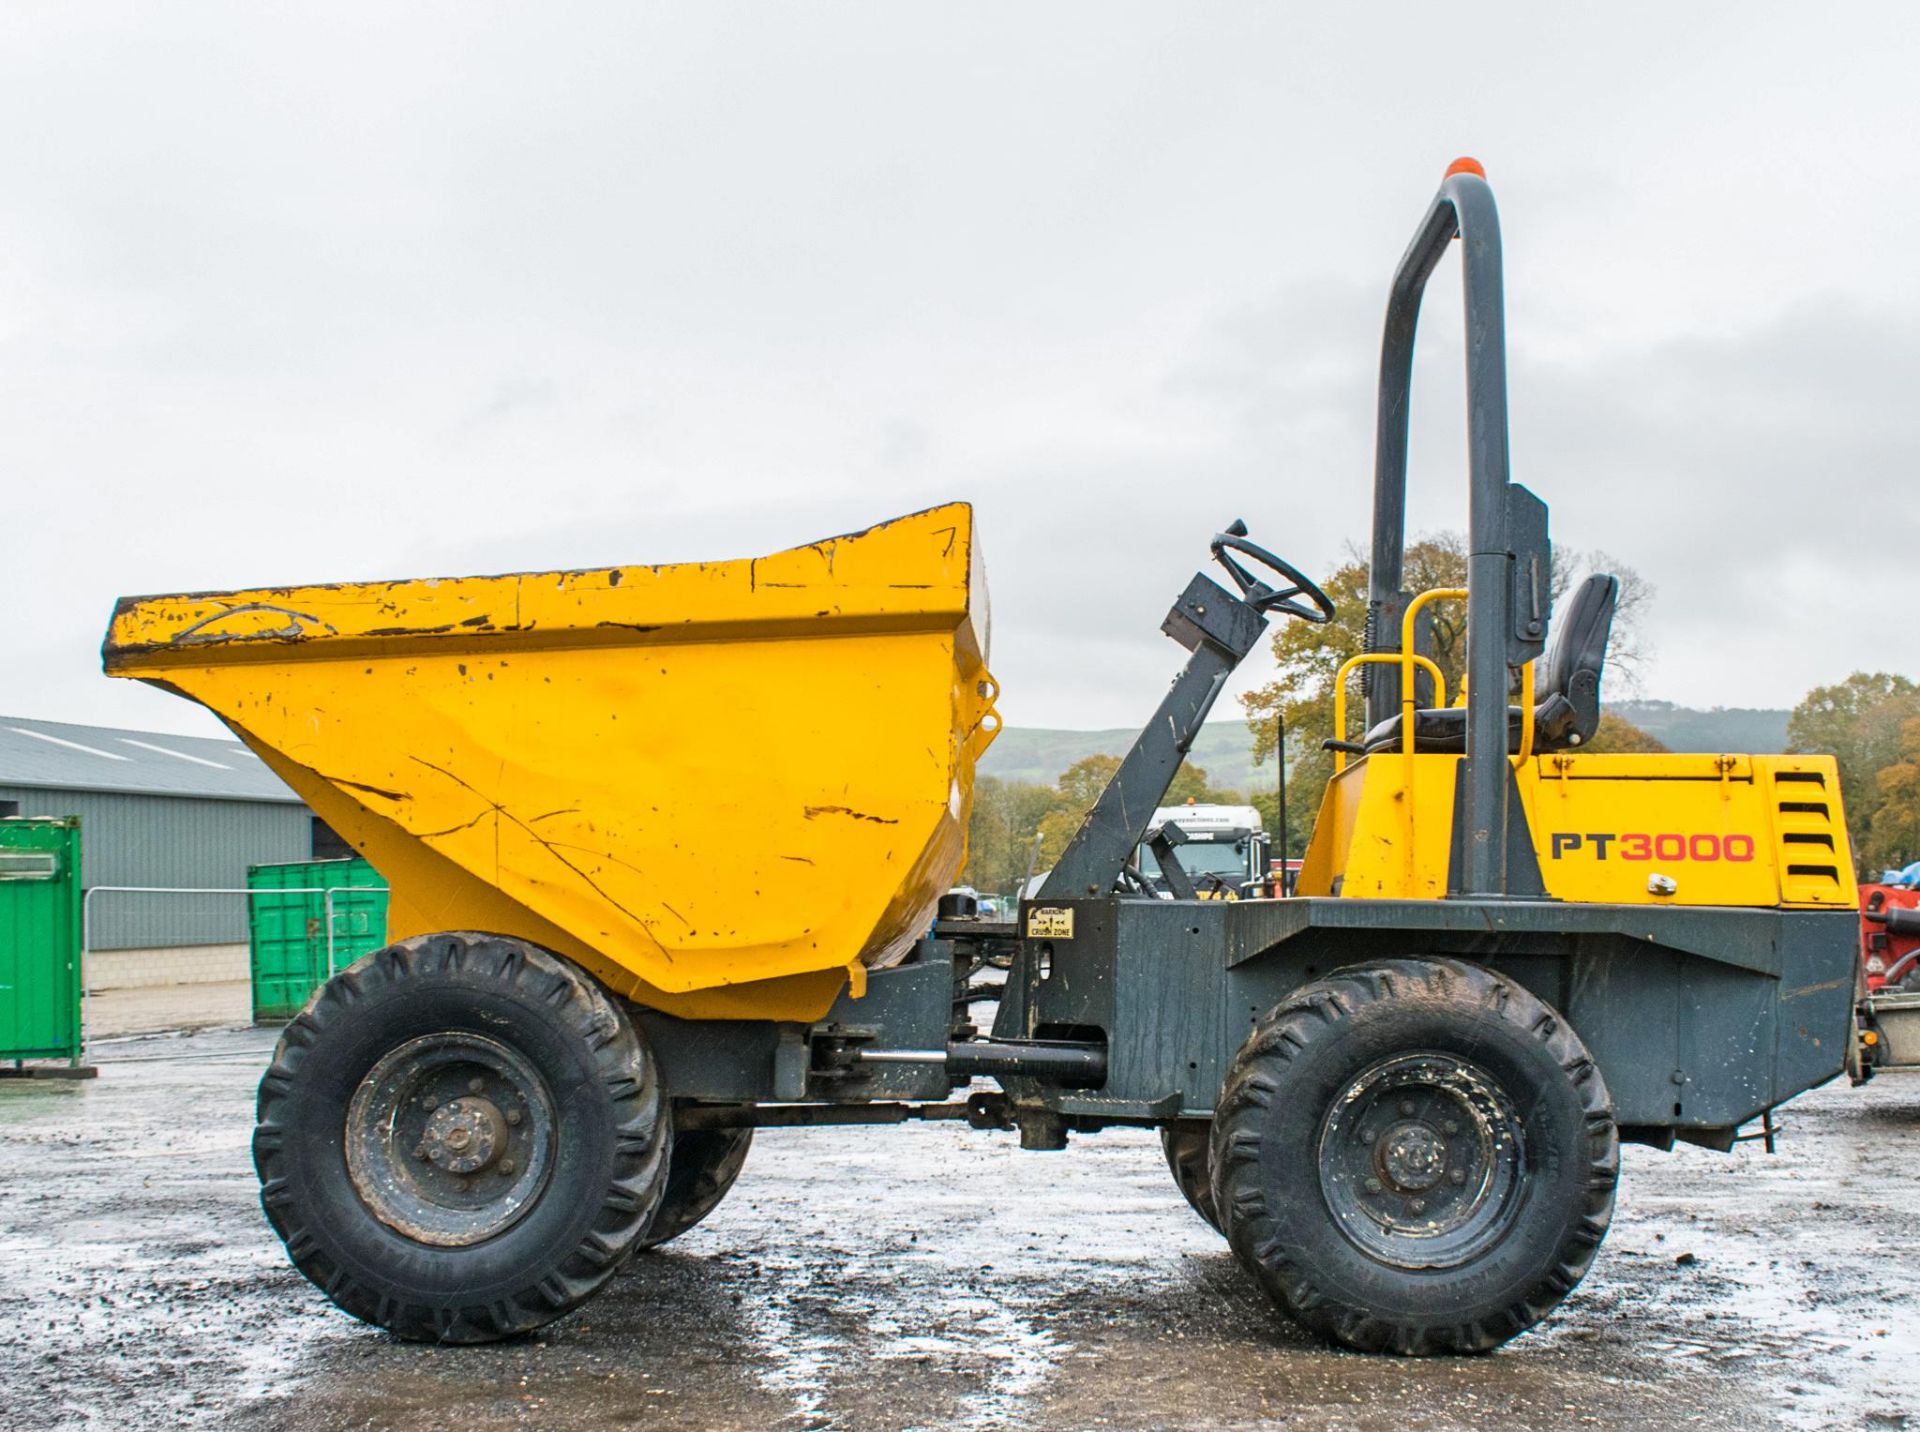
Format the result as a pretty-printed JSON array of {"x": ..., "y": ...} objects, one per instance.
[
  {"x": 626, "y": 1068},
  {"x": 1189, "y": 1158},
  {"x": 703, "y": 1167},
  {"x": 1258, "y": 1075}
]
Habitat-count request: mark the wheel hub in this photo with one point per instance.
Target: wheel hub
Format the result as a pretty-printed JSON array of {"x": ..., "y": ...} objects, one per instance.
[
  {"x": 1412, "y": 1157},
  {"x": 465, "y": 1134},
  {"x": 1421, "y": 1159},
  {"x": 450, "y": 1138}
]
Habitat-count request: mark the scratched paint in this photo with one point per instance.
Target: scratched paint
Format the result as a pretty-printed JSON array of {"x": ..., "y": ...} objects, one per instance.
[{"x": 687, "y": 778}]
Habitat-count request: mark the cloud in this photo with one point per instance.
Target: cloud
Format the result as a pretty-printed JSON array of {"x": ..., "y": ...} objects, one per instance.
[
  {"x": 300, "y": 295},
  {"x": 1761, "y": 479}
]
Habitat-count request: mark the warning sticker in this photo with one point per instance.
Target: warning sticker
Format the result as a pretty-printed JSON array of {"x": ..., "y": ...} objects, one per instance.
[{"x": 1049, "y": 922}]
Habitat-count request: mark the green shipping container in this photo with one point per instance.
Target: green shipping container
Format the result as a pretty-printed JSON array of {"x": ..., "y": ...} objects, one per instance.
[
  {"x": 300, "y": 936},
  {"x": 40, "y": 940}
]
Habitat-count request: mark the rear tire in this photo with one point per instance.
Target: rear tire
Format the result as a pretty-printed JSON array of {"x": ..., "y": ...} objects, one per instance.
[
  {"x": 460, "y": 1138},
  {"x": 700, "y": 1172},
  {"x": 1190, "y": 1159},
  {"x": 1415, "y": 1156}
]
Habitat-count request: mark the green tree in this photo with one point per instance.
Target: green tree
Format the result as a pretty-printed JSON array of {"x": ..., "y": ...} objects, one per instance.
[
  {"x": 1309, "y": 657},
  {"x": 1861, "y": 722},
  {"x": 1006, "y": 814},
  {"x": 1299, "y": 819}
]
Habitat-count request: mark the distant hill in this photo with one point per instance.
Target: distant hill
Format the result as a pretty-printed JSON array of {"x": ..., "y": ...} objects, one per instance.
[
  {"x": 1721, "y": 728},
  {"x": 1224, "y": 748}
]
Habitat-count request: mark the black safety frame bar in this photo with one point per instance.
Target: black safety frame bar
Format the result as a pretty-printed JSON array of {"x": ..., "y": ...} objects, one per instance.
[{"x": 1463, "y": 209}]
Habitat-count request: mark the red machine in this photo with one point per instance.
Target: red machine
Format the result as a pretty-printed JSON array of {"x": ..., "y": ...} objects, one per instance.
[
  {"x": 1889, "y": 1016},
  {"x": 1890, "y": 937}
]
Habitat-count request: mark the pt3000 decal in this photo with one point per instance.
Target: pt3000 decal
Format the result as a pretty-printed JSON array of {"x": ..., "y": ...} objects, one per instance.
[{"x": 1642, "y": 845}]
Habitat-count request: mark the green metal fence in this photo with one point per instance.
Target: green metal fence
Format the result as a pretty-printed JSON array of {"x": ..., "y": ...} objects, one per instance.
[
  {"x": 40, "y": 940},
  {"x": 306, "y": 920}
]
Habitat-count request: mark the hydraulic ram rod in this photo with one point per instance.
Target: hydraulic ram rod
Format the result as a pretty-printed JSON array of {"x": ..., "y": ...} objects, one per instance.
[{"x": 1080, "y": 1066}]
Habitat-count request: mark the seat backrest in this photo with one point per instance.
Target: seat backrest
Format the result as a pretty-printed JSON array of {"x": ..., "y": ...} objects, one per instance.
[{"x": 1568, "y": 694}]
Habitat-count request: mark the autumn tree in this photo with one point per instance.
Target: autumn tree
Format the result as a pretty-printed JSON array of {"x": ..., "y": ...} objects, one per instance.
[
  {"x": 1893, "y": 834},
  {"x": 1079, "y": 787},
  {"x": 1861, "y": 722},
  {"x": 1309, "y": 657},
  {"x": 1190, "y": 783},
  {"x": 1008, "y": 815},
  {"x": 1618, "y": 736},
  {"x": 1000, "y": 832}
]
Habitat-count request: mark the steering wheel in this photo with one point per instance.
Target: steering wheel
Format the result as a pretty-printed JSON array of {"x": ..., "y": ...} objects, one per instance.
[{"x": 1318, "y": 607}]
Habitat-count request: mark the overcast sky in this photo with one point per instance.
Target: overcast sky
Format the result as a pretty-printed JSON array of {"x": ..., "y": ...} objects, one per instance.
[{"x": 311, "y": 293}]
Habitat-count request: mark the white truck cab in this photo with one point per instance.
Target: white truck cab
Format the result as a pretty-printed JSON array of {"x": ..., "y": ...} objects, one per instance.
[{"x": 1224, "y": 852}]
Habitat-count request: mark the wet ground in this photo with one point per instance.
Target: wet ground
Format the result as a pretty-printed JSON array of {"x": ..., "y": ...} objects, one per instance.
[{"x": 929, "y": 1276}]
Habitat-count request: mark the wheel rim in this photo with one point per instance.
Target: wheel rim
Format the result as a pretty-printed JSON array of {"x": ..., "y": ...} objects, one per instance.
[
  {"x": 450, "y": 1139},
  {"x": 1420, "y": 1161}
]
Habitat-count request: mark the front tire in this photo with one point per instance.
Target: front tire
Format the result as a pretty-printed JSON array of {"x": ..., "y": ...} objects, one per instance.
[
  {"x": 1415, "y": 1156},
  {"x": 460, "y": 1138}
]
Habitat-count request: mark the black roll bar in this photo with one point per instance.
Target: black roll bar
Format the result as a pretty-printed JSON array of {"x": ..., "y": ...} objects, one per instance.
[{"x": 1463, "y": 208}]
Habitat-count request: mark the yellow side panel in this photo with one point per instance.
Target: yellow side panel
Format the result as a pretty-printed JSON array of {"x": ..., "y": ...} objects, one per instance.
[
  {"x": 1753, "y": 831},
  {"x": 1326, "y": 855},
  {"x": 1379, "y": 839},
  {"x": 1718, "y": 827},
  {"x": 716, "y": 785}
]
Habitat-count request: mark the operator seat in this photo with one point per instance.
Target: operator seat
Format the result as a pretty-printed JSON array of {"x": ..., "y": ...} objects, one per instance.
[{"x": 1567, "y": 699}]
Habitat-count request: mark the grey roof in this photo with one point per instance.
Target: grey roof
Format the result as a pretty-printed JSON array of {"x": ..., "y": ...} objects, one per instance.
[{"x": 54, "y": 755}]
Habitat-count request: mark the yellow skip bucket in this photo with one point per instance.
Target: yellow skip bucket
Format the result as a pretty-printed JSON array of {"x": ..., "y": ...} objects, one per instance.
[{"x": 724, "y": 788}]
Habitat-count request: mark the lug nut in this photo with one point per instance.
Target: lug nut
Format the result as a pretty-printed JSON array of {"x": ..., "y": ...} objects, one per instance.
[
  {"x": 1452, "y": 1126},
  {"x": 1366, "y": 1136},
  {"x": 420, "y": 1151},
  {"x": 1406, "y": 1108},
  {"x": 506, "y": 1165},
  {"x": 513, "y": 1116},
  {"x": 1419, "y": 1205},
  {"x": 1373, "y": 1185},
  {"x": 1459, "y": 1175},
  {"x": 474, "y": 1086}
]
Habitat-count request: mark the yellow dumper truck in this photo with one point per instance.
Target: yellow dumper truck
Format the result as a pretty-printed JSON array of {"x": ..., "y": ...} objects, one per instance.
[{"x": 1399, "y": 1094}]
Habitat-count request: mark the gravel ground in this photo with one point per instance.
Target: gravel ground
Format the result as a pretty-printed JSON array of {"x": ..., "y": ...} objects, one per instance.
[
  {"x": 155, "y": 1009},
  {"x": 930, "y": 1276}
]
